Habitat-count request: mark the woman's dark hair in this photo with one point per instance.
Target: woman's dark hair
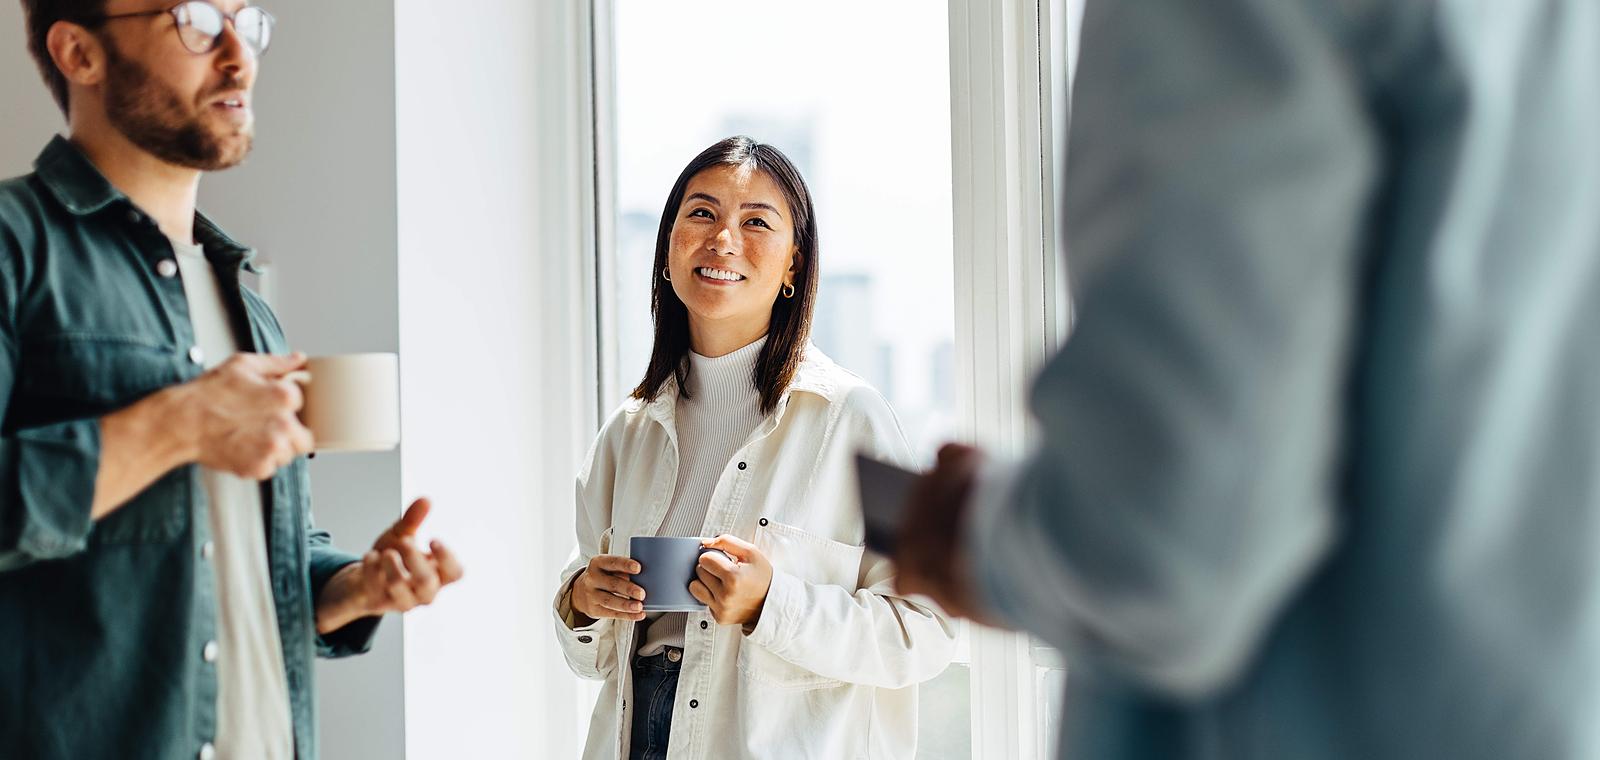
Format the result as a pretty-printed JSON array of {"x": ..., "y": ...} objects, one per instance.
[{"x": 791, "y": 317}]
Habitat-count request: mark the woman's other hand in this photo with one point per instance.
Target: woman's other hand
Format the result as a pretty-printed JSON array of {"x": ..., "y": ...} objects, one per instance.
[
  {"x": 604, "y": 590},
  {"x": 733, "y": 581}
]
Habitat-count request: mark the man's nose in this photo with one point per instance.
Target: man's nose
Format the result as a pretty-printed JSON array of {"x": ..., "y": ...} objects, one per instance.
[{"x": 234, "y": 57}]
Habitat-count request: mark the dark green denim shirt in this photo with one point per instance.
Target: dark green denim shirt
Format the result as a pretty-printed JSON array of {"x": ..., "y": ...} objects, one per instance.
[{"x": 102, "y": 624}]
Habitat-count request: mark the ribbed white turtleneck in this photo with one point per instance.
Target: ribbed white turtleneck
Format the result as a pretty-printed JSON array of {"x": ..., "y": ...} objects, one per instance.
[{"x": 716, "y": 418}]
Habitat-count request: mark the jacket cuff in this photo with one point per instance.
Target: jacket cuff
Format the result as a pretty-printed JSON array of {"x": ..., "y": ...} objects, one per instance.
[
  {"x": 774, "y": 632},
  {"x": 580, "y": 643},
  {"x": 56, "y": 467},
  {"x": 356, "y": 636}
]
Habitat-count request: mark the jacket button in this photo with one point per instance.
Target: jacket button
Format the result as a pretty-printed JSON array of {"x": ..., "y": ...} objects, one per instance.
[
  {"x": 763, "y": 522},
  {"x": 585, "y": 639},
  {"x": 208, "y": 752},
  {"x": 704, "y": 625},
  {"x": 209, "y": 652},
  {"x": 197, "y": 355},
  {"x": 742, "y": 465},
  {"x": 208, "y": 549},
  {"x": 694, "y": 703},
  {"x": 167, "y": 268}
]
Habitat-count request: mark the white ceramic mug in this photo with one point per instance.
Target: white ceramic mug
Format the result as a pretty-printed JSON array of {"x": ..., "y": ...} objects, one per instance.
[{"x": 352, "y": 401}]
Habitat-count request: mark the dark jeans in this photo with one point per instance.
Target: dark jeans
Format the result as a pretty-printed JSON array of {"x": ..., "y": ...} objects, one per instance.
[{"x": 655, "y": 684}]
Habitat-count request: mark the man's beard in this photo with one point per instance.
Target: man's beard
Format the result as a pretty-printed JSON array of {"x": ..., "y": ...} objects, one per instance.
[{"x": 152, "y": 116}]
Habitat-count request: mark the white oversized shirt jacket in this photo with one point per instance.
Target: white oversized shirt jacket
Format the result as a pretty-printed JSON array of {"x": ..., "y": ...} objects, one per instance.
[{"x": 832, "y": 668}]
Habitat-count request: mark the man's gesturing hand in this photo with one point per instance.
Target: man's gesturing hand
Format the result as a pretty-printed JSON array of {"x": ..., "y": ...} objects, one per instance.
[{"x": 396, "y": 576}]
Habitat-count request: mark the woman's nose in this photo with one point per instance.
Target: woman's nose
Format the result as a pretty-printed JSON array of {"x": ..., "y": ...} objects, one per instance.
[{"x": 723, "y": 242}]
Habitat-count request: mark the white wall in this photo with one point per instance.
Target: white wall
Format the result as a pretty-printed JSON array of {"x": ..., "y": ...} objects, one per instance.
[
  {"x": 498, "y": 376},
  {"x": 317, "y": 198}
]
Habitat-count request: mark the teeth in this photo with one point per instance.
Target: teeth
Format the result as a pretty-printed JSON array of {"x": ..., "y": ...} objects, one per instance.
[{"x": 720, "y": 274}]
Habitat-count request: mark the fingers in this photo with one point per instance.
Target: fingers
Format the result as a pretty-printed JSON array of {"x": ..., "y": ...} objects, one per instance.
[
  {"x": 396, "y": 581},
  {"x": 272, "y": 365},
  {"x": 713, "y": 583},
  {"x": 424, "y": 576},
  {"x": 300, "y": 438},
  {"x": 742, "y": 550},
  {"x": 409, "y": 522},
  {"x": 611, "y": 563},
  {"x": 718, "y": 565},
  {"x": 449, "y": 567},
  {"x": 698, "y": 590},
  {"x": 597, "y": 602},
  {"x": 612, "y": 584}
]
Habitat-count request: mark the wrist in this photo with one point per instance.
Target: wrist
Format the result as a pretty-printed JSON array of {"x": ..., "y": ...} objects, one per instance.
[
  {"x": 342, "y": 602},
  {"x": 173, "y": 410}
]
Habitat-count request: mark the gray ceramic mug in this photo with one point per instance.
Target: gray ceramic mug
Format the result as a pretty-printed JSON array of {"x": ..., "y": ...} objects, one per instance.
[{"x": 666, "y": 568}]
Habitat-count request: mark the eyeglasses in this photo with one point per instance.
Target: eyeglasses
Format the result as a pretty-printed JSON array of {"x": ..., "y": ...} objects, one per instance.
[{"x": 200, "y": 25}]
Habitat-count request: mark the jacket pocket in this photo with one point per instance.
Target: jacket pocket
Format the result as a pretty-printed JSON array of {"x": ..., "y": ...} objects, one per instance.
[{"x": 816, "y": 560}]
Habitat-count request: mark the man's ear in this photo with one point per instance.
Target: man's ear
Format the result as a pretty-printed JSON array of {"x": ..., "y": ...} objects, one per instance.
[{"x": 78, "y": 54}]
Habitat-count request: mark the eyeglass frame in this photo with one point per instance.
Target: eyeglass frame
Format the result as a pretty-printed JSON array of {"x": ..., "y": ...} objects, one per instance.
[{"x": 216, "y": 40}]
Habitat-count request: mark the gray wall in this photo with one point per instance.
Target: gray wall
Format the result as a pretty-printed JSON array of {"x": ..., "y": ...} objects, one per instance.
[{"x": 317, "y": 198}]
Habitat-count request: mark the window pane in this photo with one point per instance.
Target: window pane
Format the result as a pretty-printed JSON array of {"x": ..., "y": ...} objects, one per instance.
[
  {"x": 869, "y": 130},
  {"x": 857, "y": 95}
]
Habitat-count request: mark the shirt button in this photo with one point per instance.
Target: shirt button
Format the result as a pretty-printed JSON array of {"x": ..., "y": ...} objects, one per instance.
[
  {"x": 694, "y": 703},
  {"x": 134, "y": 216},
  {"x": 167, "y": 268},
  {"x": 207, "y": 549},
  {"x": 585, "y": 639},
  {"x": 208, "y": 752},
  {"x": 196, "y": 355},
  {"x": 209, "y": 652},
  {"x": 742, "y": 465},
  {"x": 704, "y": 625}
]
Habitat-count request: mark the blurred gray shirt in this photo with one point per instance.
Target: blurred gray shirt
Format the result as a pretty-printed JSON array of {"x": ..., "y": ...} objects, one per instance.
[{"x": 1321, "y": 467}]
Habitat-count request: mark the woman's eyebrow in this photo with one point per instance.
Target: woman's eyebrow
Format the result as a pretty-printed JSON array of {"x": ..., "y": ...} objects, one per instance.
[
  {"x": 767, "y": 206},
  {"x": 702, "y": 196}
]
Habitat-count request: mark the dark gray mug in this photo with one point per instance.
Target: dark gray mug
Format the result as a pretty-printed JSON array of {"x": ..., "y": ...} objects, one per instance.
[{"x": 667, "y": 565}]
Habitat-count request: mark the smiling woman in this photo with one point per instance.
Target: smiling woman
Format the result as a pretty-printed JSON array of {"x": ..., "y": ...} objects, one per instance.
[
  {"x": 739, "y": 205},
  {"x": 743, "y": 430}
]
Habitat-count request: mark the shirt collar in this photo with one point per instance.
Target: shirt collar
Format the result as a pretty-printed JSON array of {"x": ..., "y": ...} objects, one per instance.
[
  {"x": 817, "y": 375},
  {"x": 83, "y": 190},
  {"x": 73, "y": 180}
]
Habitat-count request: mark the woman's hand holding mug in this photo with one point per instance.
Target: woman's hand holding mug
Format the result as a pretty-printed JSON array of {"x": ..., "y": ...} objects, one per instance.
[
  {"x": 603, "y": 590},
  {"x": 735, "y": 589}
]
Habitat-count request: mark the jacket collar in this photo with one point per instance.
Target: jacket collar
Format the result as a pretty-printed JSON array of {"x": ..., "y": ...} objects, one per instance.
[
  {"x": 817, "y": 375},
  {"x": 82, "y": 190}
]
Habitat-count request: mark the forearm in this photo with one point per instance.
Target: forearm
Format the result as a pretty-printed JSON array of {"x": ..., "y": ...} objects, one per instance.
[
  {"x": 341, "y": 601},
  {"x": 138, "y": 445}
]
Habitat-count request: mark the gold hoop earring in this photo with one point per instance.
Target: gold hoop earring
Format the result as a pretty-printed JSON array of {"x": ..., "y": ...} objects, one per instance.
[
  {"x": 666, "y": 274},
  {"x": 787, "y": 291}
]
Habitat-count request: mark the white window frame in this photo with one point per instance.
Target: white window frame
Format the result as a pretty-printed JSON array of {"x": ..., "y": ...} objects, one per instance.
[
  {"x": 1012, "y": 310},
  {"x": 1011, "y": 305}
]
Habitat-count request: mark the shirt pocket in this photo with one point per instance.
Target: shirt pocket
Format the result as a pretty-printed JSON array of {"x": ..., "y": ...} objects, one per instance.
[
  {"x": 816, "y": 560},
  {"x": 71, "y": 376}
]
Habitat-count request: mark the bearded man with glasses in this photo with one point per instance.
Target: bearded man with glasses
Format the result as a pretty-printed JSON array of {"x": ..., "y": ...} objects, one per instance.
[{"x": 162, "y": 587}]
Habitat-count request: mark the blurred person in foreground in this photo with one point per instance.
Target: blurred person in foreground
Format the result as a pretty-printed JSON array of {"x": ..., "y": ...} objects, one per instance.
[{"x": 1320, "y": 467}]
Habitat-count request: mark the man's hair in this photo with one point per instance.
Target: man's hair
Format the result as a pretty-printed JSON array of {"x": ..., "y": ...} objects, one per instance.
[{"x": 39, "y": 16}]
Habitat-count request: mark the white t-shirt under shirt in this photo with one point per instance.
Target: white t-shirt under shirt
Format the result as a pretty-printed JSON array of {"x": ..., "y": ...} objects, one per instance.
[
  {"x": 713, "y": 422},
  {"x": 252, "y": 686}
]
